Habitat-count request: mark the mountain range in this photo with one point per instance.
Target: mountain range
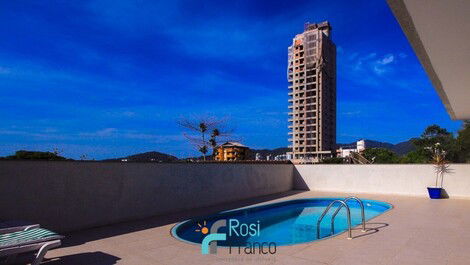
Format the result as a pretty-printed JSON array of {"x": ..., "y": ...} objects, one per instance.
[
  {"x": 152, "y": 156},
  {"x": 400, "y": 149}
]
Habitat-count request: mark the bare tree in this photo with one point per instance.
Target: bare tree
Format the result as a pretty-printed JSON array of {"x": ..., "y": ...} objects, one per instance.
[
  {"x": 56, "y": 151},
  {"x": 205, "y": 132}
]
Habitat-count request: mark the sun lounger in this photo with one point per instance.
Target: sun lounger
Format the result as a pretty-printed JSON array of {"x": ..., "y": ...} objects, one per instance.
[
  {"x": 14, "y": 226},
  {"x": 30, "y": 239}
]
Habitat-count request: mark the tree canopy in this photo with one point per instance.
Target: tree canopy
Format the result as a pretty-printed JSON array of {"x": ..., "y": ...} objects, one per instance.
[
  {"x": 34, "y": 155},
  {"x": 381, "y": 156},
  {"x": 431, "y": 136},
  {"x": 463, "y": 143}
]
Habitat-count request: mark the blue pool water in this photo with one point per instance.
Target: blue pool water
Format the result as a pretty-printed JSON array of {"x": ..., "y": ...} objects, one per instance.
[{"x": 285, "y": 223}]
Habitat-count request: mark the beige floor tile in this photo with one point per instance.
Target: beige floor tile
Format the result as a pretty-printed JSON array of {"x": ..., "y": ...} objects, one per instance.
[
  {"x": 417, "y": 231},
  {"x": 289, "y": 260}
]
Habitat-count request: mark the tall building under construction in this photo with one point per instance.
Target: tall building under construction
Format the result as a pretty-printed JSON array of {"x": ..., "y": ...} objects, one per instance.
[{"x": 311, "y": 75}]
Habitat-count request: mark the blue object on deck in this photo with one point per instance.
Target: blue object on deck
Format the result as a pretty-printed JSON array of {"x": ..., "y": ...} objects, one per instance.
[
  {"x": 285, "y": 223},
  {"x": 434, "y": 193}
]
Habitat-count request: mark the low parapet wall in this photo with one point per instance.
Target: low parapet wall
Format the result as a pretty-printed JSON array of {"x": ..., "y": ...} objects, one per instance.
[
  {"x": 409, "y": 179},
  {"x": 68, "y": 196}
]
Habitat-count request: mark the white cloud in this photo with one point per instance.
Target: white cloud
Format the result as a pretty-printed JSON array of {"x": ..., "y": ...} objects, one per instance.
[
  {"x": 132, "y": 134},
  {"x": 389, "y": 58},
  {"x": 369, "y": 56},
  {"x": 46, "y": 134},
  {"x": 106, "y": 132},
  {"x": 379, "y": 70},
  {"x": 351, "y": 113},
  {"x": 360, "y": 61}
]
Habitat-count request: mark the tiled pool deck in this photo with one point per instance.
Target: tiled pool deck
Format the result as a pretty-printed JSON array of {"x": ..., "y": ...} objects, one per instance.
[{"x": 417, "y": 231}]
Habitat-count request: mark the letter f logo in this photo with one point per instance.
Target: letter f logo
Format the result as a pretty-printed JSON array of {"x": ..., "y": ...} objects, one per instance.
[{"x": 209, "y": 244}]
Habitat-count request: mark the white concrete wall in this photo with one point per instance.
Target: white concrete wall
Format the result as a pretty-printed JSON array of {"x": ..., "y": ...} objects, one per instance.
[
  {"x": 388, "y": 179},
  {"x": 68, "y": 196}
]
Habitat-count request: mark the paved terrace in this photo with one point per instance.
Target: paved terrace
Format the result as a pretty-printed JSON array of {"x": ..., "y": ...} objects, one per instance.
[{"x": 417, "y": 231}]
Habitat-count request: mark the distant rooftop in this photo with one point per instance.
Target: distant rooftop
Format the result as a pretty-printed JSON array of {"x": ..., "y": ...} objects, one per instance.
[
  {"x": 321, "y": 25},
  {"x": 234, "y": 144}
]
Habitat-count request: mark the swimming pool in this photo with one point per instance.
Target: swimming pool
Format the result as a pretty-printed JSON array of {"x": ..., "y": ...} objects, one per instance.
[{"x": 285, "y": 223}]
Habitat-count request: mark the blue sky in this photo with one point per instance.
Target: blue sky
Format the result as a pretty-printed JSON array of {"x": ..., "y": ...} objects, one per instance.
[{"x": 108, "y": 78}]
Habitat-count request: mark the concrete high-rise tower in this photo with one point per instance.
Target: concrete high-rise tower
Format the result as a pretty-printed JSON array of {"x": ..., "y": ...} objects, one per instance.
[{"x": 311, "y": 75}]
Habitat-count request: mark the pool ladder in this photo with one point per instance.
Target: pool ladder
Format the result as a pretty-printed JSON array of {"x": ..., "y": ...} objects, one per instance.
[{"x": 348, "y": 212}]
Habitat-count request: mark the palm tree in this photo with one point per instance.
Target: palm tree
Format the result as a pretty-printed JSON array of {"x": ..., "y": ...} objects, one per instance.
[{"x": 201, "y": 127}]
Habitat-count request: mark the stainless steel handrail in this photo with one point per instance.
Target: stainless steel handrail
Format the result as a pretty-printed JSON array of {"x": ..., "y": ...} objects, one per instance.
[
  {"x": 327, "y": 209},
  {"x": 339, "y": 208}
]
